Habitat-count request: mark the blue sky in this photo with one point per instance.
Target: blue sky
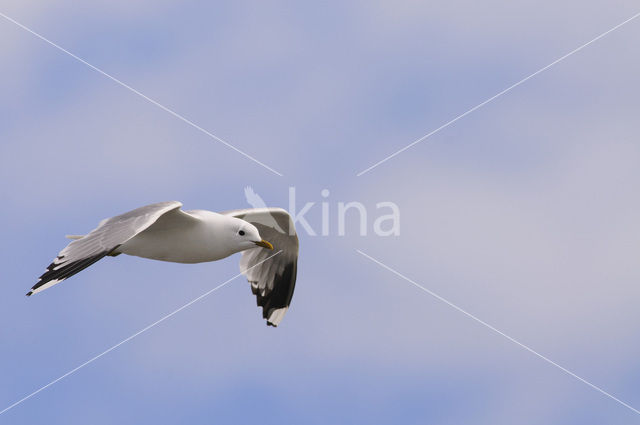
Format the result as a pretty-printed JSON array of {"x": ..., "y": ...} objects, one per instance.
[{"x": 524, "y": 213}]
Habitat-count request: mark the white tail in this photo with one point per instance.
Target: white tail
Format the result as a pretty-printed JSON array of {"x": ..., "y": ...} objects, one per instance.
[{"x": 74, "y": 237}]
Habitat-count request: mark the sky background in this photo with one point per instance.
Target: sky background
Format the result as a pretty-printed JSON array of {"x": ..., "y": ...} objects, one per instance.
[{"x": 524, "y": 213}]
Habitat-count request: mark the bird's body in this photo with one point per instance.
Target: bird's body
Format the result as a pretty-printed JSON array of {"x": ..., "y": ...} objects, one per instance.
[
  {"x": 184, "y": 237},
  {"x": 164, "y": 232}
]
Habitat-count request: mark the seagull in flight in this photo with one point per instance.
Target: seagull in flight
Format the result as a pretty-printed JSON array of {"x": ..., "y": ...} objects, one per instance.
[{"x": 164, "y": 232}]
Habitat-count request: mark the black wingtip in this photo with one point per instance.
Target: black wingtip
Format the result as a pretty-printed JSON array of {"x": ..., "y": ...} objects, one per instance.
[{"x": 29, "y": 293}]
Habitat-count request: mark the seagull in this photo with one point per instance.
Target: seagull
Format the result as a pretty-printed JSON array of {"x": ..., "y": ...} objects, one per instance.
[{"x": 164, "y": 232}]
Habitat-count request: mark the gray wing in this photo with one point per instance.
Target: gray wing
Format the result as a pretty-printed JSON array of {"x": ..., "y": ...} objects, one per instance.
[
  {"x": 100, "y": 242},
  {"x": 274, "y": 280}
]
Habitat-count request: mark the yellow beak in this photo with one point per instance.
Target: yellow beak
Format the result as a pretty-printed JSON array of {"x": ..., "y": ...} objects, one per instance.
[{"x": 264, "y": 244}]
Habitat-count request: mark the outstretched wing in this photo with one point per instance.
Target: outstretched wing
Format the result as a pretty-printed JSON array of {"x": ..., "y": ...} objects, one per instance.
[
  {"x": 100, "y": 242},
  {"x": 273, "y": 281}
]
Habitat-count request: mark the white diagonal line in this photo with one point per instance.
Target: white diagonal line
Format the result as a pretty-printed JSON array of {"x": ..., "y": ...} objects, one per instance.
[
  {"x": 480, "y": 105},
  {"x": 134, "y": 335},
  {"x": 164, "y": 108},
  {"x": 482, "y": 322}
]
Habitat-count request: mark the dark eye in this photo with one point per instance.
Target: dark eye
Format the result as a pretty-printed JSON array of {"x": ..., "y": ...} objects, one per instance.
[{"x": 241, "y": 232}]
